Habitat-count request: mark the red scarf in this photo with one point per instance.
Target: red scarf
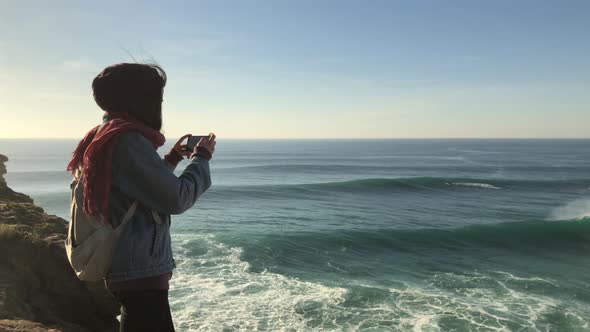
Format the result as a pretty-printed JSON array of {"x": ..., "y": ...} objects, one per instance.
[{"x": 94, "y": 156}]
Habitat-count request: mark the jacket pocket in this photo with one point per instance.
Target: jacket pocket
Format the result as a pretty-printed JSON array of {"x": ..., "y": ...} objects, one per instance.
[
  {"x": 159, "y": 228},
  {"x": 154, "y": 237}
]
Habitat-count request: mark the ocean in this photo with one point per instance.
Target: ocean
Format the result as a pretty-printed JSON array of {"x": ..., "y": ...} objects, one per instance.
[{"x": 370, "y": 235}]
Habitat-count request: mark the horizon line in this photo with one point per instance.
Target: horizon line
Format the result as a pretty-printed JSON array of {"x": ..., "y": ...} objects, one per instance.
[{"x": 335, "y": 138}]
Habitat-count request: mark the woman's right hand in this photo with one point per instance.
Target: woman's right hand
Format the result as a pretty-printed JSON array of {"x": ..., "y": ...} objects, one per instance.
[
  {"x": 206, "y": 146},
  {"x": 180, "y": 148},
  {"x": 178, "y": 152}
]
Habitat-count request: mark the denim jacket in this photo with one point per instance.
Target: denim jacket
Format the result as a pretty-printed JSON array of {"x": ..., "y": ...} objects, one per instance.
[{"x": 140, "y": 174}]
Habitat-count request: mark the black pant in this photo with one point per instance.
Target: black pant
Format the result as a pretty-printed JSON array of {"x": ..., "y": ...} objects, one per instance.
[{"x": 145, "y": 310}]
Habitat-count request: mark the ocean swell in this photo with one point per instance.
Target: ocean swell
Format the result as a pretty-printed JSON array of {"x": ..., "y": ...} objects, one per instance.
[
  {"x": 545, "y": 235},
  {"x": 387, "y": 185}
]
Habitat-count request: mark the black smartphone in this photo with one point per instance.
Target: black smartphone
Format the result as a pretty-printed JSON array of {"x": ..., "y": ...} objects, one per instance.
[{"x": 193, "y": 140}]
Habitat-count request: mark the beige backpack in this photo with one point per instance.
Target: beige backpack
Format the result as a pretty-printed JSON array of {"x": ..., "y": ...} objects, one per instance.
[{"x": 91, "y": 242}]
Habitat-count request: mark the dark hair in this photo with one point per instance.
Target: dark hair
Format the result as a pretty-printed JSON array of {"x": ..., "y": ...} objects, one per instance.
[{"x": 133, "y": 88}]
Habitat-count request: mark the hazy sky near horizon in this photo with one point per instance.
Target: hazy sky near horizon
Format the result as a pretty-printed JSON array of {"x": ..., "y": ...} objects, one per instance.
[{"x": 306, "y": 69}]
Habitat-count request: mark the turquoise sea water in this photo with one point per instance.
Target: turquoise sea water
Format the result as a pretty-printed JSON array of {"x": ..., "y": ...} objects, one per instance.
[{"x": 344, "y": 235}]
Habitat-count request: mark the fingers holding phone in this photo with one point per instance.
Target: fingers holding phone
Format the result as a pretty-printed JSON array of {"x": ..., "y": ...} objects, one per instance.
[
  {"x": 182, "y": 149},
  {"x": 202, "y": 145},
  {"x": 207, "y": 142}
]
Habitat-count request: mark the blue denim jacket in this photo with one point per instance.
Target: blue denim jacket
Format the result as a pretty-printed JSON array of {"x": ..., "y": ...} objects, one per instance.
[{"x": 140, "y": 174}]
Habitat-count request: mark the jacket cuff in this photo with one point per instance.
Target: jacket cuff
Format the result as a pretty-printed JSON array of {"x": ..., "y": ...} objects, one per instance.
[
  {"x": 173, "y": 157},
  {"x": 202, "y": 152}
]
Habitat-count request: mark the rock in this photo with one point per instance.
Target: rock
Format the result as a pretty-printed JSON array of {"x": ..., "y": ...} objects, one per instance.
[
  {"x": 5, "y": 191},
  {"x": 3, "y": 159},
  {"x": 8, "y": 325},
  {"x": 38, "y": 289}
]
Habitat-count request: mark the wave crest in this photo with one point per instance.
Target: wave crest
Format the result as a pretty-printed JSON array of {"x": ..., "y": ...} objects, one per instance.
[
  {"x": 476, "y": 184},
  {"x": 577, "y": 209}
]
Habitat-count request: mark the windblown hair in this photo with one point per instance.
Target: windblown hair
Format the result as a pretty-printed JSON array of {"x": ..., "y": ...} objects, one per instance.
[{"x": 133, "y": 88}]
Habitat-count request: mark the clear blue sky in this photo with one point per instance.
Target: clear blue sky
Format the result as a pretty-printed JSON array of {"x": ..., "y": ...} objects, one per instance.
[{"x": 306, "y": 69}]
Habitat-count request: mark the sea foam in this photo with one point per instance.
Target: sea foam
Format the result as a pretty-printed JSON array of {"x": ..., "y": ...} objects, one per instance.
[
  {"x": 577, "y": 209},
  {"x": 476, "y": 184},
  {"x": 216, "y": 291}
]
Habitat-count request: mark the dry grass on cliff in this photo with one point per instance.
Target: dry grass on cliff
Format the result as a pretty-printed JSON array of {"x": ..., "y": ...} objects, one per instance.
[
  {"x": 17, "y": 233},
  {"x": 26, "y": 220}
]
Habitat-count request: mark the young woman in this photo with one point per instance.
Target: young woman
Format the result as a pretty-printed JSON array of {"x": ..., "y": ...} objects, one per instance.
[{"x": 120, "y": 166}]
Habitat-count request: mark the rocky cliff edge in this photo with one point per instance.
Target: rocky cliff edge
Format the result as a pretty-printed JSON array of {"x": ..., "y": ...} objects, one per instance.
[{"x": 38, "y": 289}]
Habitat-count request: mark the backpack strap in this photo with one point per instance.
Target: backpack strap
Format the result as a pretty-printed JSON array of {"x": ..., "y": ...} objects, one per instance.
[
  {"x": 156, "y": 217},
  {"x": 75, "y": 178},
  {"x": 126, "y": 218},
  {"x": 78, "y": 173}
]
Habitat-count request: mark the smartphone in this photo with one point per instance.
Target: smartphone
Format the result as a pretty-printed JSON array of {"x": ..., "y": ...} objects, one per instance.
[{"x": 193, "y": 140}]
